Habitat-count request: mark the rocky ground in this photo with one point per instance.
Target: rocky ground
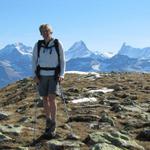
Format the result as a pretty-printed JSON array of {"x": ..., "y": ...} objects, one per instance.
[{"x": 115, "y": 114}]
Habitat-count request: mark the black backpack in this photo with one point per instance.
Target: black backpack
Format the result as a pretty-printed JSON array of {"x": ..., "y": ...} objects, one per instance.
[{"x": 40, "y": 44}]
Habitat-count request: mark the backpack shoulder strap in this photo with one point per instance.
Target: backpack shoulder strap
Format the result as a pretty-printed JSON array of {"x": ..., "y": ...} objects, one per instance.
[
  {"x": 56, "y": 44},
  {"x": 39, "y": 43}
]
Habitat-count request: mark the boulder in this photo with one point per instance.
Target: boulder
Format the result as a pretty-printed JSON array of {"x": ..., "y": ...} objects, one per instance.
[
  {"x": 105, "y": 146},
  {"x": 3, "y": 115},
  {"x": 144, "y": 135},
  {"x": 11, "y": 129},
  {"x": 117, "y": 108},
  {"x": 114, "y": 138},
  {"x": 106, "y": 118},
  {"x": 65, "y": 144}
]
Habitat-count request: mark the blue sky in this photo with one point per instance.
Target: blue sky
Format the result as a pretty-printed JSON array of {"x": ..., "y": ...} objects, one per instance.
[{"x": 102, "y": 24}]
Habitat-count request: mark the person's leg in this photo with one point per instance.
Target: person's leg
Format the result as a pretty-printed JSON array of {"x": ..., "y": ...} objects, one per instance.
[
  {"x": 50, "y": 124},
  {"x": 53, "y": 106},
  {"x": 52, "y": 89},
  {"x": 43, "y": 91},
  {"x": 50, "y": 108},
  {"x": 46, "y": 106}
]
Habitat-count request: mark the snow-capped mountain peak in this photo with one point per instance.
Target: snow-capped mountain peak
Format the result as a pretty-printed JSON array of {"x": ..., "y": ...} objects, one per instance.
[
  {"x": 78, "y": 50},
  {"x": 22, "y": 48},
  {"x": 78, "y": 44},
  {"x": 139, "y": 53},
  {"x": 15, "y": 62},
  {"x": 16, "y": 48},
  {"x": 19, "y": 46}
]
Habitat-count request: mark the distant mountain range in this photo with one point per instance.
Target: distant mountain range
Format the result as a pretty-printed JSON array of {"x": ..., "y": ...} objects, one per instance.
[
  {"x": 138, "y": 53},
  {"x": 127, "y": 59},
  {"x": 15, "y": 60},
  {"x": 15, "y": 63},
  {"x": 79, "y": 50}
]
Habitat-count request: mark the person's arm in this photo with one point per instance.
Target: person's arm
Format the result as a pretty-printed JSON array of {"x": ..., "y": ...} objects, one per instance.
[
  {"x": 62, "y": 60},
  {"x": 34, "y": 60}
]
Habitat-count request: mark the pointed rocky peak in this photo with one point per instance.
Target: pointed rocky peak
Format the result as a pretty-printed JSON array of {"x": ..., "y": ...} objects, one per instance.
[
  {"x": 79, "y": 45},
  {"x": 139, "y": 53},
  {"x": 78, "y": 50},
  {"x": 124, "y": 48}
]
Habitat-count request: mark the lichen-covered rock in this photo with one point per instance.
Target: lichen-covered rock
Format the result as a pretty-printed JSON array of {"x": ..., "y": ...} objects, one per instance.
[
  {"x": 3, "y": 137},
  {"x": 3, "y": 115},
  {"x": 105, "y": 146},
  {"x": 11, "y": 129},
  {"x": 65, "y": 144},
  {"x": 114, "y": 138},
  {"x": 22, "y": 148},
  {"x": 106, "y": 118}
]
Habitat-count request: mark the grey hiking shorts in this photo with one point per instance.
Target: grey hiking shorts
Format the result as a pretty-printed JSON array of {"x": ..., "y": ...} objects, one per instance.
[{"x": 48, "y": 85}]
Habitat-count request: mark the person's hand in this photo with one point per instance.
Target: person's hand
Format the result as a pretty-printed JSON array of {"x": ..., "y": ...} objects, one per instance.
[
  {"x": 36, "y": 80},
  {"x": 60, "y": 79}
]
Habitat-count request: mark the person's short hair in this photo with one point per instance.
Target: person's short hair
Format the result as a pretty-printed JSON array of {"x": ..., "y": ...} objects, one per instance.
[{"x": 45, "y": 26}]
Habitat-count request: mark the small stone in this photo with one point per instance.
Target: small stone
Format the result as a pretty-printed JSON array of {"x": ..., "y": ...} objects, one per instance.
[
  {"x": 106, "y": 118},
  {"x": 73, "y": 90},
  {"x": 144, "y": 135},
  {"x": 73, "y": 136},
  {"x": 24, "y": 119},
  {"x": 117, "y": 108},
  {"x": 39, "y": 102},
  {"x": 116, "y": 87},
  {"x": 3, "y": 137},
  {"x": 3, "y": 116},
  {"x": 21, "y": 109}
]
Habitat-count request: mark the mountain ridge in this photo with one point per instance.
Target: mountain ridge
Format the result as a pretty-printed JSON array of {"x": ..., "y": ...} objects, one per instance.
[{"x": 16, "y": 60}]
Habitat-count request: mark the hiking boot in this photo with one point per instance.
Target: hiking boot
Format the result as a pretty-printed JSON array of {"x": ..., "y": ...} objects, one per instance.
[
  {"x": 50, "y": 130},
  {"x": 48, "y": 124},
  {"x": 53, "y": 126}
]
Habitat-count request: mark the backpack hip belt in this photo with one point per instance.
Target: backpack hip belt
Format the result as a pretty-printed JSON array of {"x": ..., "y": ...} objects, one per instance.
[{"x": 56, "y": 69}]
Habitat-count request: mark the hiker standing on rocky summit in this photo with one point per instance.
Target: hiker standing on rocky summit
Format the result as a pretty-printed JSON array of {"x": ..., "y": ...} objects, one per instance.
[{"x": 48, "y": 64}]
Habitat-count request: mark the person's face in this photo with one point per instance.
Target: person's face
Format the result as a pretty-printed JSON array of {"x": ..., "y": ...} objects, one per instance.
[{"x": 46, "y": 33}]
